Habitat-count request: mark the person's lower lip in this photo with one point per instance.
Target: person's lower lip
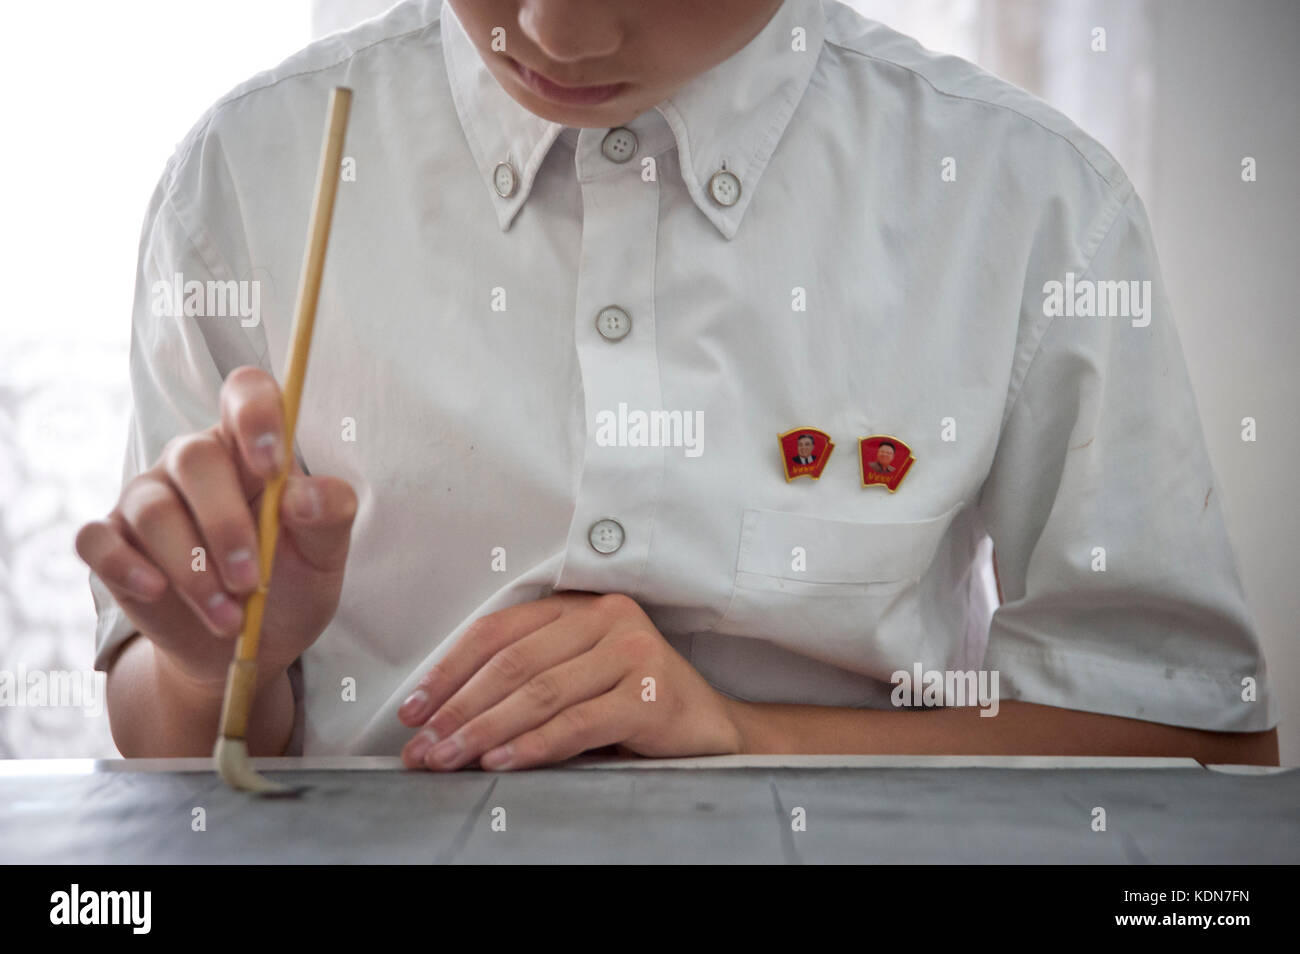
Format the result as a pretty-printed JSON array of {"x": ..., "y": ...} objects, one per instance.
[{"x": 568, "y": 95}]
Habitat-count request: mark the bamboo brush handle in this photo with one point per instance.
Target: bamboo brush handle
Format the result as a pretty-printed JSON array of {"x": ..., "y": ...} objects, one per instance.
[{"x": 242, "y": 678}]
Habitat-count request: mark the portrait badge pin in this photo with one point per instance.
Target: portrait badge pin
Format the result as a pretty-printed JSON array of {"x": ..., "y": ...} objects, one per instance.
[
  {"x": 885, "y": 461},
  {"x": 804, "y": 452}
]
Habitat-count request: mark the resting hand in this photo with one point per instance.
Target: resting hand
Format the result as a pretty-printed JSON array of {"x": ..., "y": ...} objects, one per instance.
[{"x": 543, "y": 681}]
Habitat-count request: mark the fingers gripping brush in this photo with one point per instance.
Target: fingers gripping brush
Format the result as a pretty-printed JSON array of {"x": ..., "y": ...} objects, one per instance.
[{"x": 231, "y": 754}]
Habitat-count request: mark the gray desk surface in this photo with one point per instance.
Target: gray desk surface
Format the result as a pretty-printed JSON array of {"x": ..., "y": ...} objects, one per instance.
[{"x": 878, "y": 810}]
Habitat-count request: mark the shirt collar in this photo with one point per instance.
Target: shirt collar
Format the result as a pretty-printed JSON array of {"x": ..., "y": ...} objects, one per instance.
[{"x": 734, "y": 113}]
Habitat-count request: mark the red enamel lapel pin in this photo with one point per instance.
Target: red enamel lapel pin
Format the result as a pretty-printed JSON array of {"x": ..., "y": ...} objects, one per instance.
[
  {"x": 885, "y": 461},
  {"x": 804, "y": 452}
]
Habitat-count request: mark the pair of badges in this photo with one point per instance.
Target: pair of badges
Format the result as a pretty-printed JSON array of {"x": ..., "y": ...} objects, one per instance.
[{"x": 883, "y": 459}]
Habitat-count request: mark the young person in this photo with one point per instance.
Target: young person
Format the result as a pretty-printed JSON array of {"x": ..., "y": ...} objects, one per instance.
[{"x": 588, "y": 262}]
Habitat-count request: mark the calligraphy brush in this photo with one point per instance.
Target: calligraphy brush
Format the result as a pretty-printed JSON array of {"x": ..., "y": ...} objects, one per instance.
[{"x": 231, "y": 753}]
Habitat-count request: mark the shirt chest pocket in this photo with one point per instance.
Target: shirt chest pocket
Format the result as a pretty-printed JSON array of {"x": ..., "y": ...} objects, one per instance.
[{"x": 837, "y": 590}]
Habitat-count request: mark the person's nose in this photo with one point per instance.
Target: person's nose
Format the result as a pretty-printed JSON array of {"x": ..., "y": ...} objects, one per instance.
[{"x": 572, "y": 30}]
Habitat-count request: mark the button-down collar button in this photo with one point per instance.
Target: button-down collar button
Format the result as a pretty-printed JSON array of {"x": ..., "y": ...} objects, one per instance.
[
  {"x": 724, "y": 188},
  {"x": 613, "y": 323},
  {"x": 606, "y": 535},
  {"x": 504, "y": 179},
  {"x": 619, "y": 145}
]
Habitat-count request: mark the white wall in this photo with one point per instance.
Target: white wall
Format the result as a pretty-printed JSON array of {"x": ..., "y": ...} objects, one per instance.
[{"x": 1227, "y": 85}]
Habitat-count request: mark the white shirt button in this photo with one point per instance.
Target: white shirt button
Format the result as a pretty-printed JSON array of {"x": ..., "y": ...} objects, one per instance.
[
  {"x": 504, "y": 179},
  {"x": 613, "y": 323},
  {"x": 724, "y": 188},
  {"x": 606, "y": 535},
  {"x": 619, "y": 145}
]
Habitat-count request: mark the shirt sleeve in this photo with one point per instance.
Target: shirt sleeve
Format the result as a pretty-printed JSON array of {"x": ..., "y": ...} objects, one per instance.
[
  {"x": 1120, "y": 594},
  {"x": 177, "y": 363}
]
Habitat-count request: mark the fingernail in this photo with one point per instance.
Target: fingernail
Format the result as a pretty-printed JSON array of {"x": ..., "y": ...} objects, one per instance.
[
  {"x": 223, "y": 612},
  {"x": 303, "y": 500},
  {"x": 267, "y": 453},
  {"x": 421, "y": 744},
  {"x": 413, "y": 708},
  {"x": 144, "y": 583},
  {"x": 243, "y": 571},
  {"x": 498, "y": 758},
  {"x": 446, "y": 752}
]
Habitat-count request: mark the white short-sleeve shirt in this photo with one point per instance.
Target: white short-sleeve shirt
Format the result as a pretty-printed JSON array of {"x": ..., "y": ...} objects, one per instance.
[{"x": 548, "y": 359}]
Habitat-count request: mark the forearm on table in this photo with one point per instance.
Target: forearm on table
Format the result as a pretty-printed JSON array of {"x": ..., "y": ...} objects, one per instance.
[
  {"x": 155, "y": 712},
  {"x": 1019, "y": 728}
]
